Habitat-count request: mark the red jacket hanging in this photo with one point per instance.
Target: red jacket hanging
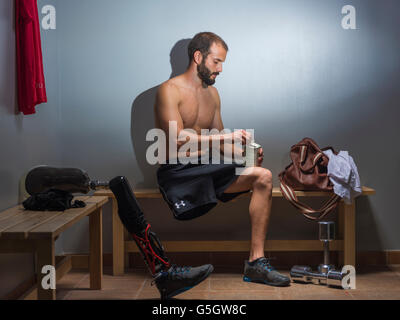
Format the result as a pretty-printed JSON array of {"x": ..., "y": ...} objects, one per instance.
[{"x": 30, "y": 78}]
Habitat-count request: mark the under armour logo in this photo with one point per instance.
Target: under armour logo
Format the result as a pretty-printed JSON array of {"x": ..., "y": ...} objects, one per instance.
[{"x": 179, "y": 204}]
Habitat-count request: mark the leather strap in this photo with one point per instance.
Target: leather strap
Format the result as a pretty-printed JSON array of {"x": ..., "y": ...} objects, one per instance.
[{"x": 307, "y": 211}]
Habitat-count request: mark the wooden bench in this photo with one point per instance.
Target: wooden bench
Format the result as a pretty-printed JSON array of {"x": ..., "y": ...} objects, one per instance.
[
  {"x": 345, "y": 244},
  {"x": 36, "y": 231}
]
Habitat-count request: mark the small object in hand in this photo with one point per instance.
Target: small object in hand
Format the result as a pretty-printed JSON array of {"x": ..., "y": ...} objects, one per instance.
[{"x": 252, "y": 154}]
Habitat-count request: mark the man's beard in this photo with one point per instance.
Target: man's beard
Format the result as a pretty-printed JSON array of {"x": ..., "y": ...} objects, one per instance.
[{"x": 205, "y": 74}]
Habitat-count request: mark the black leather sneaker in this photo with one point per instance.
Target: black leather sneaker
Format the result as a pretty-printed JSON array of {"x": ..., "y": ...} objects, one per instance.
[
  {"x": 260, "y": 271},
  {"x": 180, "y": 279}
]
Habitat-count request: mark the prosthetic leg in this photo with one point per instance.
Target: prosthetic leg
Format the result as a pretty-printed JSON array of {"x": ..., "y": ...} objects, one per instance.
[
  {"x": 75, "y": 180},
  {"x": 133, "y": 219},
  {"x": 169, "y": 278}
]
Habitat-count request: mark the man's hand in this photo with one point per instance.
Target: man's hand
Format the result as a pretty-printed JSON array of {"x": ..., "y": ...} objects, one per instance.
[
  {"x": 228, "y": 146},
  {"x": 241, "y": 136},
  {"x": 260, "y": 157},
  {"x": 237, "y": 152}
]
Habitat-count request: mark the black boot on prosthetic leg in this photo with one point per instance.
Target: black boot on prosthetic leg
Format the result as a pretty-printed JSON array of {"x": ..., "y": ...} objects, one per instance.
[{"x": 170, "y": 279}]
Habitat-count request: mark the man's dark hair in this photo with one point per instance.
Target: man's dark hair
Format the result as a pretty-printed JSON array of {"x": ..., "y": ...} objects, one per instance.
[{"x": 202, "y": 42}]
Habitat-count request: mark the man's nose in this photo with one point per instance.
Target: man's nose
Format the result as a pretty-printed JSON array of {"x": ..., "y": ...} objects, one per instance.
[{"x": 219, "y": 68}]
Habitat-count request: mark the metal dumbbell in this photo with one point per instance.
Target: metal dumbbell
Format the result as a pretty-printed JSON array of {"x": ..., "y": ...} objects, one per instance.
[{"x": 326, "y": 273}]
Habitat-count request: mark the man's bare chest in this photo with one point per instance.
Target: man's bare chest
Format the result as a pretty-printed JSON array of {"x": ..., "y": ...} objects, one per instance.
[{"x": 197, "y": 110}]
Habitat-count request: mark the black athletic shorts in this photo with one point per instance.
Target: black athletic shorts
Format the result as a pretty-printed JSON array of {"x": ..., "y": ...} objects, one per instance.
[{"x": 192, "y": 190}]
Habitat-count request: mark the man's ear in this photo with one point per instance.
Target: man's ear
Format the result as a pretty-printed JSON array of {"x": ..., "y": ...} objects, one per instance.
[{"x": 197, "y": 57}]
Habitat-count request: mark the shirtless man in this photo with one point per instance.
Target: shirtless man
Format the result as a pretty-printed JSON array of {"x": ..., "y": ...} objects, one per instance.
[{"x": 191, "y": 190}]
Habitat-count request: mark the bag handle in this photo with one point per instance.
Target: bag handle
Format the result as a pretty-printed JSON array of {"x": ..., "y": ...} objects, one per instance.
[
  {"x": 306, "y": 167},
  {"x": 307, "y": 211}
]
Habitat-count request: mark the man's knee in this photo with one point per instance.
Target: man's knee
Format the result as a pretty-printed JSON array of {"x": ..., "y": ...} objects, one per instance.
[{"x": 263, "y": 178}]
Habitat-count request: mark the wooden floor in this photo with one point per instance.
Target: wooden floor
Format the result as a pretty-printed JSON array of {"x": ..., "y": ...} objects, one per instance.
[{"x": 377, "y": 283}]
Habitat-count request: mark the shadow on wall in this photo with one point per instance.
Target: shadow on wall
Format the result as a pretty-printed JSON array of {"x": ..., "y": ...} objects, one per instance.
[{"x": 142, "y": 116}]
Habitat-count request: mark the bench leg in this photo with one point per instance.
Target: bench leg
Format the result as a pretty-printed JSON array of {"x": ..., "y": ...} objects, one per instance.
[
  {"x": 45, "y": 256},
  {"x": 96, "y": 249},
  {"x": 118, "y": 241},
  {"x": 347, "y": 231}
]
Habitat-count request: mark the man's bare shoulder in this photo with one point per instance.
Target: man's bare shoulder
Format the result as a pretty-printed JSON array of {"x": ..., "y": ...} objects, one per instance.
[
  {"x": 175, "y": 87},
  {"x": 214, "y": 93},
  {"x": 213, "y": 90},
  {"x": 168, "y": 90},
  {"x": 169, "y": 85}
]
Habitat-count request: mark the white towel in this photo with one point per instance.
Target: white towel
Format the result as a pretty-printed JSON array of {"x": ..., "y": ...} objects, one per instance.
[{"x": 343, "y": 173}]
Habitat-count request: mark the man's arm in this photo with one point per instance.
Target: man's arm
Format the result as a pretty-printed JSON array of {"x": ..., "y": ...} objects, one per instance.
[
  {"x": 217, "y": 124},
  {"x": 166, "y": 107}
]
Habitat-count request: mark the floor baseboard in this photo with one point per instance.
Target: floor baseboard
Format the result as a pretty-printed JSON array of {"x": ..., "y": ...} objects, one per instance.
[{"x": 235, "y": 260}]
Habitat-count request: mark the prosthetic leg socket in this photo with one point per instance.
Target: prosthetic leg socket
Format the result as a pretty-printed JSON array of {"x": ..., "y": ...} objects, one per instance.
[{"x": 132, "y": 218}]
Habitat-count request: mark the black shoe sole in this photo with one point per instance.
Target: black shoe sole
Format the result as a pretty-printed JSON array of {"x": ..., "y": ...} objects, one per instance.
[
  {"x": 274, "y": 284},
  {"x": 181, "y": 290}
]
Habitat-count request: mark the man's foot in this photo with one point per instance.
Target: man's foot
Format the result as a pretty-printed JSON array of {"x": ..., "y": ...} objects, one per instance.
[
  {"x": 179, "y": 279},
  {"x": 261, "y": 271}
]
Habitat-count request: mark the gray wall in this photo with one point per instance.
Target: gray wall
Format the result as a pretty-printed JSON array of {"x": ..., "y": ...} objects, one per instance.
[
  {"x": 291, "y": 71},
  {"x": 25, "y": 141}
]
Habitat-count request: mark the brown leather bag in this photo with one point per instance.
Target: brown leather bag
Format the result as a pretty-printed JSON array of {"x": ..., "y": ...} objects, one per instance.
[{"x": 308, "y": 172}]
